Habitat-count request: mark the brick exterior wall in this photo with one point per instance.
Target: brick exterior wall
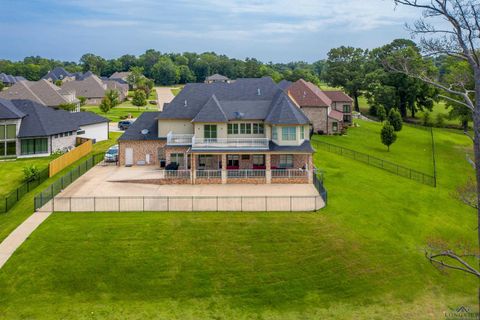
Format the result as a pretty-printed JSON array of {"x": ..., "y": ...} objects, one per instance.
[
  {"x": 208, "y": 181},
  {"x": 297, "y": 180},
  {"x": 299, "y": 160},
  {"x": 61, "y": 143},
  {"x": 170, "y": 150},
  {"x": 246, "y": 181},
  {"x": 140, "y": 149},
  {"x": 318, "y": 117}
]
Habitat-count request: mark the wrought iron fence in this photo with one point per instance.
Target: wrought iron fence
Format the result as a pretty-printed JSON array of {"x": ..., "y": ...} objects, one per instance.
[
  {"x": 188, "y": 203},
  {"x": 56, "y": 187},
  {"x": 318, "y": 183},
  {"x": 377, "y": 162},
  {"x": 11, "y": 199}
]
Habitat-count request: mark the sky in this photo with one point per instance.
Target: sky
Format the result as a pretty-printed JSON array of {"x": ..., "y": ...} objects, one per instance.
[{"x": 270, "y": 30}]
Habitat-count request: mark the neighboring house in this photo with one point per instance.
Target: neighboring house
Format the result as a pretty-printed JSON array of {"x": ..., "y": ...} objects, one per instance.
[
  {"x": 59, "y": 74},
  {"x": 284, "y": 84},
  {"x": 29, "y": 129},
  {"x": 247, "y": 131},
  {"x": 93, "y": 88},
  {"x": 42, "y": 92},
  {"x": 120, "y": 76},
  {"x": 216, "y": 78},
  {"x": 328, "y": 111},
  {"x": 9, "y": 80}
]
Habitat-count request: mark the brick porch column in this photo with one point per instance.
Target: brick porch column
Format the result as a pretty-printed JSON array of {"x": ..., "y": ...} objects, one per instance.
[
  {"x": 224, "y": 168},
  {"x": 194, "y": 168},
  {"x": 268, "y": 168},
  {"x": 310, "y": 168}
]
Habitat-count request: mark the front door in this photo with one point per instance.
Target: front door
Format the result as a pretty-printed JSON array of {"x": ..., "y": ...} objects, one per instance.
[
  {"x": 210, "y": 131},
  {"x": 128, "y": 156}
]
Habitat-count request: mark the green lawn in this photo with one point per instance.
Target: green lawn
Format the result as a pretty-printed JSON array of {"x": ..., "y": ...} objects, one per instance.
[
  {"x": 11, "y": 172},
  {"x": 176, "y": 90},
  {"x": 359, "y": 258},
  {"x": 412, "y": 149},
  {"x": 121, "y": 112},
  {"x": 24, "y": 208}
]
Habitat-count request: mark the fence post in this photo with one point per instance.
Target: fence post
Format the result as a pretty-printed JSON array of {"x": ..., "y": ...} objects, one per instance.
[
  {"x": 217, "y": 203},
  {"x": 118, "y": 204},
  {"x": 290, "y": 203},
  {"x": 241, "y": 203}
]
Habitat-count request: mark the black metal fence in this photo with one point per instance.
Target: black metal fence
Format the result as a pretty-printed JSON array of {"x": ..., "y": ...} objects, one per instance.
[
  {"x": 11, "y": 199},
  {"x": 377, "y": 162},
  {"x": 318, "y": 183},
  {"x": 55, "y": 188},
  {"x": 183, "y": 204}
]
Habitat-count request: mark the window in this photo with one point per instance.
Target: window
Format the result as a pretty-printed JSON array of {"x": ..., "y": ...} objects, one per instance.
[
  {"x": 233, "y": 161},
  {"x": 232, "y": 128},
  {"x": 289, "y": 133},
  {"x": 334, "y": 126},
  {"x": 347, "y": 118},
  {"x": 34, "y": 146},
  {"x": 286, "y": 161},
  {"x": 2, "y": 132},
  {"x": 11, "y": 148},
  {"x": 11, "y": 131},
  {"x": 8, "y": 142},
  {"x": 259, "y": 160},
  {"x": 274, "y": 133},
  {"x": 203, "y": 160},
  {"x": 177, "y": 158},
  {"x": 210, "y": 131},
  {"x": 302, "y": 132},
  {"x": 245, "y": 128},
  {"x": 346, "y": 108},
  {"x": 258, "y": 128},
  {"x": 245, "y": 157}
]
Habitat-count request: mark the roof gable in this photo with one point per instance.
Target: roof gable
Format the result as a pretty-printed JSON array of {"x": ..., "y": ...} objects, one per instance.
[
  {"x": 9, "y": 111},
  {"x": 338, "y": 96},
  {"x": 306, "y": 94},
  {"x": 211, "y": 112},
  {"x": 284, "y": 111}
]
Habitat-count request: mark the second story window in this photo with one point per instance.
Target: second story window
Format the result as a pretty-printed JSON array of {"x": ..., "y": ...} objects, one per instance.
[
  {"x": 210, "y": 131},
  {"x": 274, "y": 133},
  {"x": 232, "y": 128},
  {"x": 346, "y": 108},
  {"x": 302, "y": 132},
  {"x": 289, "y": 133},
  {"x": 245, "y": 128},
  {"x": 258, "y": 128}
]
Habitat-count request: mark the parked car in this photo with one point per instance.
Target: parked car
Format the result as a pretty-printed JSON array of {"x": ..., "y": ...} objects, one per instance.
[
  {"x": 124, "y": 124},
  {"x": 112, "y": 154}
]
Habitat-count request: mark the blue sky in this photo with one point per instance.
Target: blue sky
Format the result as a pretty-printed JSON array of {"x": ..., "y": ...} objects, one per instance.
[{"x": 271, "y": 30}]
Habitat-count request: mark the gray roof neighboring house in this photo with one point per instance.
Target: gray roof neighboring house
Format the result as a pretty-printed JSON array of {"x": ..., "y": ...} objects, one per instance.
[
  {"x": 42, "y": 91},
  {"x": 284, "y": 84},
  {"x": 120, "y": 75},
  {"x": 9, "y": 111},
  {"x": 147, "y": 120},
  {"x": 9, "y": 79},
  {"x": 57, "y": 73},
  {"x": 217, "y": 77},
  {"x": 90, "y": 87}
]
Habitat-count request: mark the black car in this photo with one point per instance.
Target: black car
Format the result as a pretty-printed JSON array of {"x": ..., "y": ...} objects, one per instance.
[{"x": 124, "y": 124}]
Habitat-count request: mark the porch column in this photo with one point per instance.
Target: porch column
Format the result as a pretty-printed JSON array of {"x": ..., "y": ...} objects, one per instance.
[
  {"x": 310, "y": 168},
  {"x": 193, "y": 168},
  {"x": 268, "y": 168},
  {"x": 224, "y": 168}
]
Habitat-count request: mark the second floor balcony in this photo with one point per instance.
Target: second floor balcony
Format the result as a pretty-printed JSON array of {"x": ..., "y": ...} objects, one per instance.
[{"x": 230, "y": 143}]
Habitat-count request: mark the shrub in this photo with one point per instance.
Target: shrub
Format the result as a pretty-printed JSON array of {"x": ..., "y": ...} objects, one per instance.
[
  {"x": 381, "y": 113},
  {"x": 82, "y": 100},
  {"x": 373, "y": 111},
  {"x": 139, "y": 98},
  {"x": 440, "y": 121},
  {"x": 67, "y": 106},
  {"x": 395, "y": 119},
  {"x": 31, "y": 173},
  {"x": 388, "y": 135}
]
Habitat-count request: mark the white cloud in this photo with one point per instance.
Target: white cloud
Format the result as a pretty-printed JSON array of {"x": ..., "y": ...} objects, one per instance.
[{"x": 100, "y": 23}]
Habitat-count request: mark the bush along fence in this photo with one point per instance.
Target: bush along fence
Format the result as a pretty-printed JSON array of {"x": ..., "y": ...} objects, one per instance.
[
  {"x": 55, "y": 188},
  {"x": 378, "y": 163},
  {"x": 10, "y": 200}
]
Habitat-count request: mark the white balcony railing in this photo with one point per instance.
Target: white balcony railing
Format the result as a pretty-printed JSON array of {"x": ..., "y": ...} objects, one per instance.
[
  {"x": 179, "y": 139},
  {"x": 289, "y": 173},
  {"x": 230, "y": 143}
]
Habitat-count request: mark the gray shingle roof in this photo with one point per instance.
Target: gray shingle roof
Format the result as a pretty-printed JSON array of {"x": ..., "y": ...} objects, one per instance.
[
  {"x": 90, "y": 87},
  {"x": 217, "y": 77},
  {"x": 41, "y": 91},
  {"x": 120, "y": 75},
  {"x": 211, "y": 112},
  {"x": 252, "y": 99},
  {"x": 57, "y": 73},
  {"x": 284, "y": 84},
  {"x": 147, "y": 120},
  {"x": 9, "y": 111},
  {"x": 9, "y": 79},
  {"x": 41, "y": 121},
  {"x": 86, "y": 117}
]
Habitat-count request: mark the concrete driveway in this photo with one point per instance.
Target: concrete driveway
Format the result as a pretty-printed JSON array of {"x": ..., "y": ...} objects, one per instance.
[{"x": 164, "y": 95}]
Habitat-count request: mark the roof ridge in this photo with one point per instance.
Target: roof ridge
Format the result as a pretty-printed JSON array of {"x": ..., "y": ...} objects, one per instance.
[{"x": 24, "y": 83}]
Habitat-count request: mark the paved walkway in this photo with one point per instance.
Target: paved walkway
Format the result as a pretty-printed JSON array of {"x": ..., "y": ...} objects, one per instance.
[
  {"x": 19, "y": 235},
  {"x": 164, "y": 95}
]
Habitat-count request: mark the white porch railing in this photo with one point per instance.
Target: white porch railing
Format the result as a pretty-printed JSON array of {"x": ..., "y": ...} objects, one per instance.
[
  {"x": 289, "y": 173},
  {"x": 230, "y": 143},
  {"x": 209, "y": 174},
  {"x": 246, "y": 173},
  {"x": 177, "y": 174},
  {"x": 174, "y": 139}
]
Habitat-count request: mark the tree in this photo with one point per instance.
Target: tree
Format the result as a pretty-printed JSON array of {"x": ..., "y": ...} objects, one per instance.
[
  {"x": 135, "y": 76},
  {"x": 58, "y": 83},
  {"x": 345, "y": 68},
  {"x": 67, "y": 106},
  {"x": 165, "y": 72},
  {"x": 381, "y": 113},
  {"x": 185, "y": 74},
  {"x": 83, "y": 100},
  {"x": 113, "y": 97},
  {"x": 459, "y": 38},
  {"x": 1, "y": 86},
  {"x": 105, "y": 105},
  {"x": 388, "y": 135},
  {"x": 139, "y": 98},
  {"x": 395, "y": 119},
  {"x": 91, "y": 62}
]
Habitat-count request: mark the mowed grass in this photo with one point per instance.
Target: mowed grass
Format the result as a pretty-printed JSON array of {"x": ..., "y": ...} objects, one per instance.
[
  {"x": 24, "y": 208},
  {"x": 412, "y": 149},
  {"x": 120, "y": 112},
  {"x": 12, "y": 174},
  {"x": 359, "y": 258}
]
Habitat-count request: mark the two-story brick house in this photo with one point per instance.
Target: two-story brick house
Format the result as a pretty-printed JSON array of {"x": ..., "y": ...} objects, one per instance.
[
  {"x": 247, "y": 131},
  {"x": 328, "y": 111}
]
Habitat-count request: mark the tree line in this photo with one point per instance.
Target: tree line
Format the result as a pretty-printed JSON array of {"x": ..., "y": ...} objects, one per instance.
[{"x": 358, "y": 71}]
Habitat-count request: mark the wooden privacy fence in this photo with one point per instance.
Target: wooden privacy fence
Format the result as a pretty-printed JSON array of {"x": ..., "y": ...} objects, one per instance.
[{"x": 70, "y": 157}]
